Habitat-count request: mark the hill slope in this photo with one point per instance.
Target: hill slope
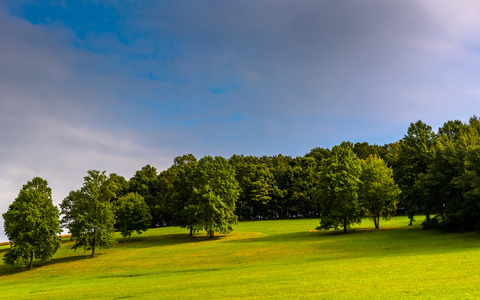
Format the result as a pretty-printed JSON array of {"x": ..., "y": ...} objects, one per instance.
[{"x": 264, "y": 259}]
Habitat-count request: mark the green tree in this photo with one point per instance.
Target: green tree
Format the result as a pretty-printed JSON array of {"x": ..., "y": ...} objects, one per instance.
[
  {"x": 414, "y": 155},
  {"x": 119, "y": 185},
  {"x": 378, "y": 192},
  {"x": 304, "y": 184},
  {"x": 215, "y": 191},
  {"x": 132, "y": 214},
  {"x": 364, "y": 150},
  {"x": 89, "y": 213},
  {"x": 145, "y": 183},
  {"x": 32, "y": 225},
  {"x": 256, "y": 184},
  {"x": 178, "y": 200},
  {"x": 337, "y": 192}
]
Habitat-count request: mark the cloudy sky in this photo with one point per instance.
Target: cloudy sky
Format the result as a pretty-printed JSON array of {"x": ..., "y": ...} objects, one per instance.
[{"x": 116, "y": 85}]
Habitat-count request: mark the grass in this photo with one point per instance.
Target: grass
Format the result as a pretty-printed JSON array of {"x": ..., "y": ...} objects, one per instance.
[{"x": 262, "y": 259}]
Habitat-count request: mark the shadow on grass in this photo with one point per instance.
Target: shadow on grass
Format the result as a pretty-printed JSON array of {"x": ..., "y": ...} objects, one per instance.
[
  {"x": 165, "y": 240},
  {"x": 303, "y": 236},
  {"x": 10, "y": 270}
]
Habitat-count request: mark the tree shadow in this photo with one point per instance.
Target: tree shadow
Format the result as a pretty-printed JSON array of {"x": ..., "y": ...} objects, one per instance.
[
  {"x": 37, "y": 264},
  {"x": 166, "y": 240}
]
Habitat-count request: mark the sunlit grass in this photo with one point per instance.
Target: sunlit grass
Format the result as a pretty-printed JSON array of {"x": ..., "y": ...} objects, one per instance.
[{"x": 263, "y": 259}]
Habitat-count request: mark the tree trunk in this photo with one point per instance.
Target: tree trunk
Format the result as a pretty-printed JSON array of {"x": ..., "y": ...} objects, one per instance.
[
  {"x": 31, "y": 260},
  {"x": 191, "y": 231},
  {"x": 93, "y": 250},
  {"x": 344, "y": 225}
]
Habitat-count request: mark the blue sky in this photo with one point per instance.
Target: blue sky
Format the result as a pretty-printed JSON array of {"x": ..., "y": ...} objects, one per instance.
[{"x": 116, "y": 85}]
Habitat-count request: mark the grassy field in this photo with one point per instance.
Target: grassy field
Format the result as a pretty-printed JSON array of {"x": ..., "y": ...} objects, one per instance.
[{"x": 262, "y": 259}]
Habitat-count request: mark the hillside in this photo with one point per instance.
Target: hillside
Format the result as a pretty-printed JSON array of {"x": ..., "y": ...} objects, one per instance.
[{"x": 264, "y": 259}]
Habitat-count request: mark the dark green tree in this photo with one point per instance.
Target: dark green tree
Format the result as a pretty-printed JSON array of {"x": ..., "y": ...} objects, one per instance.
[
  {"x": 32, "y": 225},
  {"x": 414, "y": 155},
  {"x": 281, "y": 168},
  {"x": 89, "y": 213},
  {"x": 215, "y": 191},
  {"x": 145, "y": 183},
  {"x": 378, "y": 193},
  {"x": 364, "y": 150},
  {"x": 118, "y": 185},
  {"x": 179, "y": 198},
  {"x": 256, "y": 184},
  {"x": 132, "y": 214},
  {"x": 304, "y": 185},
  {"x": 337, "y": 192}
]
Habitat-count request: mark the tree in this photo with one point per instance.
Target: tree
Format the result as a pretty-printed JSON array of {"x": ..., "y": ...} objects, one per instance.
[
  {"x": 414, "y": 155},
  {"x": 337, "y": 192},
  {"x": 215, "y": 192},
  {"x": 145, "y": 183},
  {"x": 256, "y": 185},
  {"x": 378, "y": 192},
  {"x": 178, "y": 200},
  {"x": 89, "y": 214},
  {"x": 32, "y": 225},
  {"x": 364, "y": 150},
  {"x": 132, "y": 215},
  {"x": 304, "y": 184}
]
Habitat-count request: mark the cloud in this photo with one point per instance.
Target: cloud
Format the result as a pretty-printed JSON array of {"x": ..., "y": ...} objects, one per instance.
[{"x": 122, "y": 85}]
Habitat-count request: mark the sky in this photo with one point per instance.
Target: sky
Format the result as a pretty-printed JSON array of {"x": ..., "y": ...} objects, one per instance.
[{"x": 116, "y": 85}]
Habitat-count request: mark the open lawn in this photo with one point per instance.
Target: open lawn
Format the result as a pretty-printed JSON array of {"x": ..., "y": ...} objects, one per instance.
[{"x": 262, "y": 259}]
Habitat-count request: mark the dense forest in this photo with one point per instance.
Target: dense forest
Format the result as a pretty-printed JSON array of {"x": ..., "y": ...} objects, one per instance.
[{"x": 436, "y": 174}]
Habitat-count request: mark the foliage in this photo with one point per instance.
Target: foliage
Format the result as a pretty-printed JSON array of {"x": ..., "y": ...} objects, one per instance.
[
  {"x": 179, "y": 197},
  {"x": 132, "y": 215},
  {"x": 338, "y": 186},
  {"x": 414, "y": 155},
  {"x": 364, "y": 150},
  {"x": 32, "y": 225},
  {"x": 378, "y": 192},
  {"x": 89, "y": 213},
  {"x": 215, "y": 192},
  {"x": 145, "y": 183}
]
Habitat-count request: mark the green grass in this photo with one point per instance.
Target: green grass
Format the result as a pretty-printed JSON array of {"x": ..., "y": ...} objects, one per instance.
[{"x": 262, "y": 259}]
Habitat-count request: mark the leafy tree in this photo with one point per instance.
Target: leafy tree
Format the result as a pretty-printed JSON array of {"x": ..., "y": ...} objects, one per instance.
[
  {"x": 119, "y": 186},
  {"x": 378, "y": 192},
  {"x": 304, "y": 184},
  {"x": 337, "y": 193},
  {"x": 414, "y": 155},
  {"x": 89, "y": 213},
  {"x": 364, "y": 150},
  {"x": 215, "y": 192},
  {"x": 256, "y": 185},
  {"x": 133, "y": 214},
  {"x": 32, "y": 225},
  {"x": 179, "y": 199},
  {"x": 281, "y": 168},
  {"x": 442, "y": 197},
  {"x": 319, "y": 154},
  {"x": 145, "y": 183}
]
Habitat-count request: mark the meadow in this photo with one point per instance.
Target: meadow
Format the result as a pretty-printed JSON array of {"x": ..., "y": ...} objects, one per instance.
[{"x": 262, "y": 259}]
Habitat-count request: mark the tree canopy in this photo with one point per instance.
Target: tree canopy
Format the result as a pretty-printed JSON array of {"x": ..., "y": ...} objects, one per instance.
[
  {"x": 337, "y": 192},
  {"x": 215, "y": 191},
  {"x": 89, "y": 213},
  {"x": 378, "y": 192},
  {"x": 32, "y": 225},
  {"x": 132, "y": 214}
]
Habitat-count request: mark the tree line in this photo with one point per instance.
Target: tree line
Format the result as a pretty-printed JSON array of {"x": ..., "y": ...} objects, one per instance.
[{"x": 426, "y": 172}]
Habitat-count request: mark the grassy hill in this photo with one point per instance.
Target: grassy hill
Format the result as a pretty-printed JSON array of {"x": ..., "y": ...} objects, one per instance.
[{"x": 263, "y": 259}]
